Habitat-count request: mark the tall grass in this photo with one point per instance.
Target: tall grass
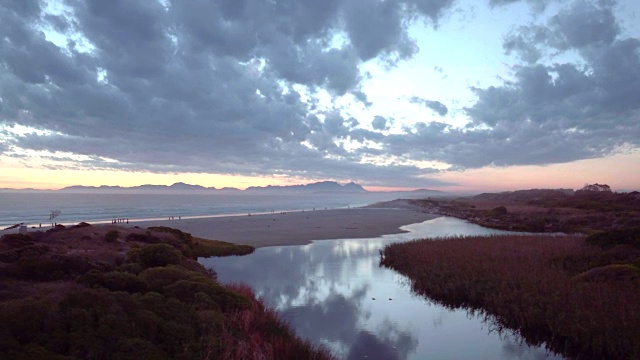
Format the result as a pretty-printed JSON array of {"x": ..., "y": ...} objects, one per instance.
[
  {"x": 524, "y": 283},
  {"x": 255, "y": 332}
]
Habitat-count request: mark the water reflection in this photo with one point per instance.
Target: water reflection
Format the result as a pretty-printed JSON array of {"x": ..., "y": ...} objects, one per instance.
[{"x": 333, "y": 292}]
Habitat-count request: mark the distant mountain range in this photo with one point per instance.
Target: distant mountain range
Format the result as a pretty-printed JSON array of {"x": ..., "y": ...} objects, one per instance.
[
  {"x": 180, "y": 187},
  {"x": 323, "y": 186},
  {"x": 327, "y": 187}
]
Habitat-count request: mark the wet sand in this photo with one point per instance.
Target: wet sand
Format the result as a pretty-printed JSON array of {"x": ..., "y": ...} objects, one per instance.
[{"x": 296, "y": 228}]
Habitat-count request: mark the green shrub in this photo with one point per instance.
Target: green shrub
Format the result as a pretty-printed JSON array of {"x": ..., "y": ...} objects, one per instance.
[
  {"x": 24, "y": 318},
  {"x": 615, "y": 272},
  {"x": 40, "y": 268},
  {"x": 154, "y": 255},
  {"x": 498, "y": 211},
  {"x": 209, "y": 248},
  {"x": 114, "y": 281},
  {"x": 16, "y": 240},
  {"x": 112, "y": 236},
  {"x": 609, "y": 239},
  {"x": 186, "y": 238},
  {"x": 159, "y": 277},
  {"x": 28, "y": 251},
  {"x": 146, "y": 238},
  {"x": 133, "y": 268},
  {"x": 139, "y": 349}
]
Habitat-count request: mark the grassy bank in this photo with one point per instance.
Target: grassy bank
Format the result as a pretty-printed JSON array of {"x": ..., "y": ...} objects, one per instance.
[
  {"x": 543, "y": 210},
  {"x": 579, "y": 299},
  {"x": 114, "y": 293}
]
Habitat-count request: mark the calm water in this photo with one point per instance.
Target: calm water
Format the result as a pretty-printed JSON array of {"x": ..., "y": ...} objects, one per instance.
[
  {"x": 333, "y": 292},
  {"x": 34, "y": 208}
]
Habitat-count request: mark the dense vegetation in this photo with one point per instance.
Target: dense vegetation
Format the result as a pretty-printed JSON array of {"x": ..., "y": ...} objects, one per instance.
[
  {"x": 115, "y": 293},
  {"x": 579, "y": 296},
  {"x": 592, "y": 208}
]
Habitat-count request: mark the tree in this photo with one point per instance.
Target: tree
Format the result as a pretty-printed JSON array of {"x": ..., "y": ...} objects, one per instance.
[{"x": 596, "y": 188}]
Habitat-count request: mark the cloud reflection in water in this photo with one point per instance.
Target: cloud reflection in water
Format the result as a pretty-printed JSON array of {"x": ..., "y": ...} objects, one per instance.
[{"x": 333, "y": 292}]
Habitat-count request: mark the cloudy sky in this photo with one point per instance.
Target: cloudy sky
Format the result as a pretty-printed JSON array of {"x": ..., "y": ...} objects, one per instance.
[{"x": 448, "y": 94}]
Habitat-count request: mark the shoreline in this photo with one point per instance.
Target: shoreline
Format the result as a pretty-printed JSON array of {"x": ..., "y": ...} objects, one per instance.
[
  {"x": 295, "y": 228},
  {"x": 287, "y": 227}
]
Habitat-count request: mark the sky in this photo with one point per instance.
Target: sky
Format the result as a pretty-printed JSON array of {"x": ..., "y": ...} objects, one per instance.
[{"x": 455, "y": 95}]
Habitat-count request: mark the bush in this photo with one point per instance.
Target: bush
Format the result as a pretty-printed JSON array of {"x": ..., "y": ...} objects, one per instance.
[
  {"x": 498, "y": 211},
  {"x": 155, "y": 255},
  {"x": 146, "y": 238},
  {"x": 28, "y": 251},
  {"x": 139, "y": 349},
  {"x": 209, "y": 248},
  {"x": 112, "y": 236},
  {"x": 159, "y": 277},
  {"x": 183, "y": 236},
  {"x": 133, "y": 268},
  {"x": 615, "y": 272},
  {"x": 16, "y": 240},
  {"x": 114, "y": 281},
  {"x": 609, "y": 239},
  {"x": 23, "y": 318}
]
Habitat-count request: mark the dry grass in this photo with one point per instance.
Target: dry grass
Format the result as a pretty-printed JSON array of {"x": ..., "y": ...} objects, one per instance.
[
  {"x": 530, "y": 284},
  {"x": 262, "y": 335}
]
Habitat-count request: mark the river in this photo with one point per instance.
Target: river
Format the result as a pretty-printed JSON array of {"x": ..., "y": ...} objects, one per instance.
[{"x": 333, "y": 292}]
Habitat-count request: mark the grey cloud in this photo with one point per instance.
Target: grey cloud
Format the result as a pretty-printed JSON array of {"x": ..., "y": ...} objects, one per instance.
[
  {"x": 524, "y": 42},
  {"x": 379, "y": 123},
  {"x": 375, "y": 27},
  {"x": 569, "y": 112},
  {"x": 586, "y": 23},
  {"x": 59, "y": 23},
  {"x": 583, "y": 24},
  {"x": 433, "y": 9},
  {"x": 436, "y": 106},
  {"x": 207, "y": 86},
  {"x": 27, "y": 8},
  {"x": 362, "y": 97},
  {"x": 537, "y": 5}
]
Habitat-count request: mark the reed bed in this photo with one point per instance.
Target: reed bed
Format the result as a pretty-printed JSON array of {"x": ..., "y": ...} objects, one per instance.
[{"x": 539, "y": 286}]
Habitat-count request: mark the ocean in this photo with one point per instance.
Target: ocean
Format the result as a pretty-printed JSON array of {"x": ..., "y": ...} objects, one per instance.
[{"x": 34, "y": 209}]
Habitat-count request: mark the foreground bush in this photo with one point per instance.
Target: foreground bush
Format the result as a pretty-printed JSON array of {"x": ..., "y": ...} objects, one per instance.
[
  {"x": 530, "y": 284},
  {"x": 157, "y": 303}
]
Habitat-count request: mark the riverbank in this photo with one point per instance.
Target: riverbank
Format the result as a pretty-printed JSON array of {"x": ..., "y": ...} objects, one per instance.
[
  {"x": 576, "y": 297},
  {"x": 538, "y": 210}
]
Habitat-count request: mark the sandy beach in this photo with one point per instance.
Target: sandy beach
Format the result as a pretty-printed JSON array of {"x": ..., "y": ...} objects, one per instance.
[
  {"x": 295, "y": 228},
  {"x": 288, "y": 228}
]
